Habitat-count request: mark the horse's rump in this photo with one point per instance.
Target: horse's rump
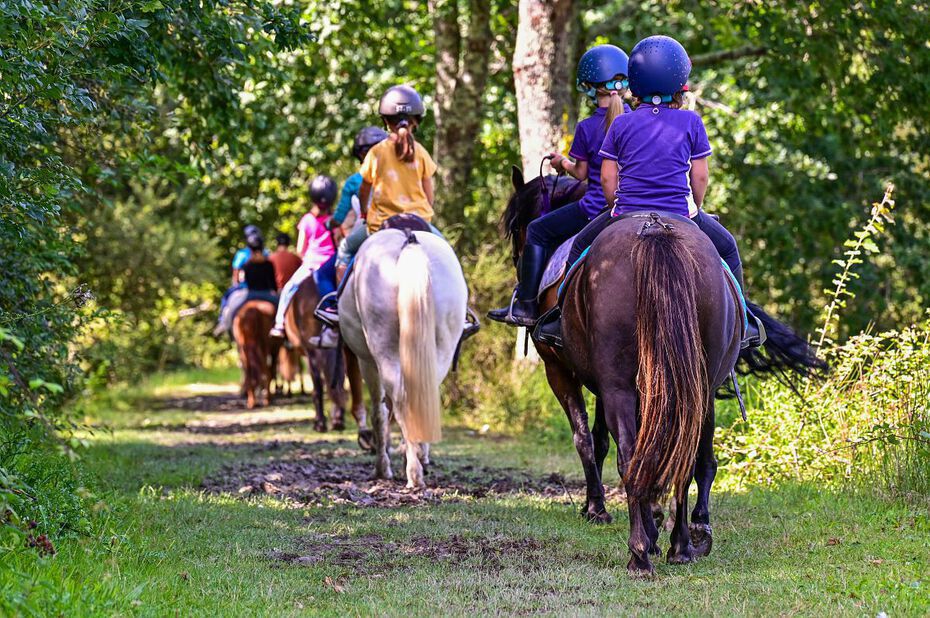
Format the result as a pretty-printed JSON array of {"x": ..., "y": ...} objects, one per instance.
[{"x": 650, "y": 313}]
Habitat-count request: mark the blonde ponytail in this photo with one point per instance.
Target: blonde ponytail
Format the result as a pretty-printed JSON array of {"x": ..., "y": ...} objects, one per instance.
[{"x": 614, "y": 109}]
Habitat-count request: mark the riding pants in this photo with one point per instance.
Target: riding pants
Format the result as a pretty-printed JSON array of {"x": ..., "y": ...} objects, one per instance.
[
  {"x": 556, "y": 227},
  {"x": 288, "y": 291},
  {"x": 326, "y": 277}
]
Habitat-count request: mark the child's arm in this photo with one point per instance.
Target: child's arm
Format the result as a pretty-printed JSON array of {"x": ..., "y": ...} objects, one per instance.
[
  {"x": 610, "y": 178},
  {"x": 700, "y": 176},
  {"x": 364, "y": 193},
  {"x": 302, "y": 241},
  {"x": 578, "y": 169},
  {"x": 428, "y": 189}
]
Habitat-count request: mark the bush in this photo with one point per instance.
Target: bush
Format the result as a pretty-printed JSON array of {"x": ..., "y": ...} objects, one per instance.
[{"x": 870, "y": 420}]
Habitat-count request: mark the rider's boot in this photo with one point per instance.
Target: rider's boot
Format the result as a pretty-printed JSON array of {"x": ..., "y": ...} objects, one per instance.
[
  {"x": 327, "y": 310},
  {"x": 327, "y": 339},
  {"x": 523, "y": 309}
]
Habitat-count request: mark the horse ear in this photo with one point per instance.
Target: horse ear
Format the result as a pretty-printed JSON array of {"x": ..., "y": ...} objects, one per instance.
[{"x": 516, "y": 178}]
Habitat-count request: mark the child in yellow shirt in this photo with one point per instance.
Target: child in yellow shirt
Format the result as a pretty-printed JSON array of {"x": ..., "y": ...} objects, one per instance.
[
  {"x": 397, "y": 174},
  {"x": 397, "y": 178}
]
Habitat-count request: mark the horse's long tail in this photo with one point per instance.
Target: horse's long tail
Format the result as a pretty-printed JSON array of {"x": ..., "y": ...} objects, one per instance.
[
  {"x": 417, "y": 313},
  {"x": 672, "y": 380},
  {"x": 785, "y": 354}
]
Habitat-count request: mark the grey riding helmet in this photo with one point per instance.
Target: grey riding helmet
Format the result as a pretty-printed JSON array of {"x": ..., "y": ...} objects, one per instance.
[
  {"x": 401, "y": 101},
  {"x": 323, "y": 191},
  {"x": 366, "y": 138}
]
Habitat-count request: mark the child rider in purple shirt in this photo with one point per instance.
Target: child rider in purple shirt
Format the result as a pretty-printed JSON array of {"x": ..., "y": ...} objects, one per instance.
[
  {"x": 656, "y": 157},
  {"x": 602, "y": 76}
]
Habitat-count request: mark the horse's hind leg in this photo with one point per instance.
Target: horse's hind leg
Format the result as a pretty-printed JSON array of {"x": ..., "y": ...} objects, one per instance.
[
  {"x": 705, "y": 469},
  {"x": 620, "y": 416},
  {"x": 313, "y": 362},
  {"x": 567, "y": 390},
  {"x": 601, "y": 437},
  {"x": 681, "y": 550},
  {"x": 379, "y": 420},
  {"x": 365, "y": 435},
  {"x": 335, "y": 379}
]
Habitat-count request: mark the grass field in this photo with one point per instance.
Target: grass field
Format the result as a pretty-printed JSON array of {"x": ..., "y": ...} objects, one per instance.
[{"x": 165, "y": 545}]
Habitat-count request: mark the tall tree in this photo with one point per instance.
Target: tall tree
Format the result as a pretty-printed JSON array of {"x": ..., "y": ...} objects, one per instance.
[
  {"x": 462, "y": 66},
  {"x": 541, "y": 72}
]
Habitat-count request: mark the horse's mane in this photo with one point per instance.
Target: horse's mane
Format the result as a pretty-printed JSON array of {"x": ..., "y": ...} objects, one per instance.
[{"x": 525, "y": 204}]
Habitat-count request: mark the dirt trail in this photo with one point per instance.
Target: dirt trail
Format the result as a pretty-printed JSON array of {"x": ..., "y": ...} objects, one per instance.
[{"x": 325, "y": 473}]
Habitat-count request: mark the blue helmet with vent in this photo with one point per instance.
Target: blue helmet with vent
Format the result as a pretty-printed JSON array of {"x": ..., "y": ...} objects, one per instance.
[
  {"x": 600, "y": 64},
  {"x": 659, "y": 66}
]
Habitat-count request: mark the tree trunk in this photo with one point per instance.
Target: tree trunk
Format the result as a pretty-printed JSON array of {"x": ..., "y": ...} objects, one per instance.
[
  {"x": 462, "y": 60},
  {"x": 542, "y": 76}
]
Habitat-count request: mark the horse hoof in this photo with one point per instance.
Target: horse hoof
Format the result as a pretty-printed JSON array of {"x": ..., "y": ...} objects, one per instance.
[
  {"x": 680, "y": 557},
  {"x": 640, "y": 570},
  {"x": 319, "y": 426},
  {"x": 600, "y": 516},
  {"x": 702, "y": 538},
  {"x": 338, "y": 425},
  {"x": 366, "y": 440}
]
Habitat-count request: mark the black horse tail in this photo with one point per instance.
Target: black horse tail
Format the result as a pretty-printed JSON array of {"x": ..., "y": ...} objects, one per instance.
[
  {"x": 784, "y": 354},
  {"x": 672, "y": 377}
]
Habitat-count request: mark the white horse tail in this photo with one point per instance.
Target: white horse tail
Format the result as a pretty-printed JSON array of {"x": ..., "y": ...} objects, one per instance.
[{"x": 418, "y": 357}]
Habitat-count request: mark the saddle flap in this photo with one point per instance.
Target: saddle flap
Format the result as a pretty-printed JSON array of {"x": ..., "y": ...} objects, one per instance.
[{"x": 556, "y": 266}]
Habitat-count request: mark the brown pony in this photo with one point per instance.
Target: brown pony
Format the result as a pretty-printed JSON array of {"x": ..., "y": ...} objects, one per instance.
[
  {"x": 651, "y": 326},
  {"x": 300, "y": 325},
  {"x": 250, "y": 330}
]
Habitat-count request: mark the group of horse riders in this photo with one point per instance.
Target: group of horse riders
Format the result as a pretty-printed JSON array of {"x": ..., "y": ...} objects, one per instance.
[
  {"x": 640, "y": 150},
  {"x": 396, "y": 178}
]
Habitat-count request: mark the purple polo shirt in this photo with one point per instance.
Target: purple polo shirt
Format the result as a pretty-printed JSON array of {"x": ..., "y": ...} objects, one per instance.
[
  {"x": 589, "y": 135},
  {"x": 654, "y": 152}
]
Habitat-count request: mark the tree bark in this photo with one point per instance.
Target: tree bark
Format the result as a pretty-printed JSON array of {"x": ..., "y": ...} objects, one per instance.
[
  {"x": 462, "y": 61},
  {"x": 542, "y": 76}
]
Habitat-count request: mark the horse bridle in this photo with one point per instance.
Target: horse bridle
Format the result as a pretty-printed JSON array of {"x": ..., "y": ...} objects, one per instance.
[{"x": 547, "y": 201}]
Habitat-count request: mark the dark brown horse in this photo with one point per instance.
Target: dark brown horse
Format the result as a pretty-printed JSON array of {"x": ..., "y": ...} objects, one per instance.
[
  {"x": 250, "y": 330},
  {"x": 652, "y": 327},
  {"x": 331, "y": 364}
]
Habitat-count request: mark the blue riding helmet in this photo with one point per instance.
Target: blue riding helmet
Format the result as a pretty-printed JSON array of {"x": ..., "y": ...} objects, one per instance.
[
  {"x": 366, "y": 138},
  {"x": 599, "y": 65},
  {"x": 249, "y": 230},
  {"x": 659, "y": 66}
]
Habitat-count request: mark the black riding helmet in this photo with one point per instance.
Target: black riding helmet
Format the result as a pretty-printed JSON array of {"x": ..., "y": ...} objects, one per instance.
[
  {"x": 366, "y": 138},
  {"x": 254, "y": 239},
  {"x": 401, "y": 101},
  {"x": 323, "y": 191}
]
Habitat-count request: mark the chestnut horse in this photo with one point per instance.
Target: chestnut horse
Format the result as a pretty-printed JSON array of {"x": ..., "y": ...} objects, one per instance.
[
  {"x": 300, "y": 325},
  {"x": 652, "y": 327},
  {"x": 250, "y": 330}
]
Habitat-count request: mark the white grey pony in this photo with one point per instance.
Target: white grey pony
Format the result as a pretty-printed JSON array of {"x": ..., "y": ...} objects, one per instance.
[{"x": 401, "y": 313}]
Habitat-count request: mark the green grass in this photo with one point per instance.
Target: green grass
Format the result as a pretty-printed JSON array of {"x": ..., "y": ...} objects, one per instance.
[{"x": 162, "y": 547}]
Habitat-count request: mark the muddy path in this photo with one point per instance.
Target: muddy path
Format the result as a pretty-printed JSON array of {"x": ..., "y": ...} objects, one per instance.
[{"x": 327, "y": 473}]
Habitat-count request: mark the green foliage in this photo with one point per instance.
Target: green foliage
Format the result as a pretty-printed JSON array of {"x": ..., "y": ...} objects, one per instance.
[
  {"x": 870, "y": 421},
  {"x": 78, "y": 100}
]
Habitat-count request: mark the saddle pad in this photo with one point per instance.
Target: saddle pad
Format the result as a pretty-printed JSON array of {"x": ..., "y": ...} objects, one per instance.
[{"x": 555, "y": 268}]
